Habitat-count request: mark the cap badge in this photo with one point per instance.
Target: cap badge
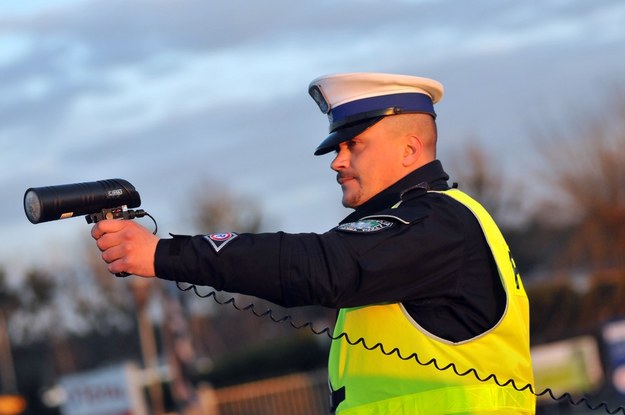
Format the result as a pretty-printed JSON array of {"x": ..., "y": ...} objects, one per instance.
[{"x": 317, "y": 95}]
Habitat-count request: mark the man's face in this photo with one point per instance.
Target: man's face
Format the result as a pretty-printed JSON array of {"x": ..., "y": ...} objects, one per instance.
[{"x": 368, "y": 164}]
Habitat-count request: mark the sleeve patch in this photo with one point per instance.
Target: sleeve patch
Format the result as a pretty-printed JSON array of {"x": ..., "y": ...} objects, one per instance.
[
  {"x": 219, "y": 240},
  {"x": 365, "y": 226}
]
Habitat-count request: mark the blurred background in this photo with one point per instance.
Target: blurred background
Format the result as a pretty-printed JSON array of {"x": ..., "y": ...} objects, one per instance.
[{"x": 203, "y": 107}]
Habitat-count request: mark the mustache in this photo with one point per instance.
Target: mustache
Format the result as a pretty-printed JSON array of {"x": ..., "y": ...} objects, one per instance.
[{"x": 343, "y": 176}]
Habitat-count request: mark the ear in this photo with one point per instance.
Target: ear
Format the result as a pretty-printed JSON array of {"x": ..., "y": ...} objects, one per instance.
[{"x": 413, "y": 150}]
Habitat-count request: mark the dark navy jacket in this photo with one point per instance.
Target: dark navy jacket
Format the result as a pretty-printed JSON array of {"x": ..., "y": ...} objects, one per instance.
[{"x": 429, "y": 253}]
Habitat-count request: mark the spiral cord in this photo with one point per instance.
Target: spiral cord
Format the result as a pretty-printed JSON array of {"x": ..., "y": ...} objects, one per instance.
[{"x": 565, "y": 397}]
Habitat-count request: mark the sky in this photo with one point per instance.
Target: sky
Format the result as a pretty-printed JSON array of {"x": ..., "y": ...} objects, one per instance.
[{"x": 174, "y": 94}]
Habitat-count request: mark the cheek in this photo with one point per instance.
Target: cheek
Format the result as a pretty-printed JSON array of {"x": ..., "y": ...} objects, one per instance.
[
  {"x": 371, "y": 177},
  {"x": 379, "y": 173}
]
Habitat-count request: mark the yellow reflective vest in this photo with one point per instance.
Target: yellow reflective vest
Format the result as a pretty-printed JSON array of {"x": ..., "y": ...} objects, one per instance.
[{"x": 380, "y": 374}]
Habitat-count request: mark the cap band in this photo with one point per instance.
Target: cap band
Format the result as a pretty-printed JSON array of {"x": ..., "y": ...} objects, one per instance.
[{"x": 378, "y": 106}]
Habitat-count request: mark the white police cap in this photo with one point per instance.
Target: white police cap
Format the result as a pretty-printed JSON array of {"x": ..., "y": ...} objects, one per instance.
[{"x": 356, "y": 101}]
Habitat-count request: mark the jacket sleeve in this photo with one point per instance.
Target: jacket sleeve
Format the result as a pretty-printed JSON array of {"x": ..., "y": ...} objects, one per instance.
[
  {"x": 287, "y": 269},
  {"x": 340, "y": 268}
]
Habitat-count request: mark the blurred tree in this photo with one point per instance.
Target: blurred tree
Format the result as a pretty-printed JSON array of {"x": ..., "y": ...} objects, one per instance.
[
  {"x": 9, "y": 303},
  {"x": 121, "y": 299},
  {"x": 555, "y": 310},
  {"x": 603, "y": 300},
  {"x": 222, "y": 330},
  {"x": 530, "y": 238},
  {"x": 220, "y": 210},
  {"x": 478, "y": 175},
  {"x": 40, "y": 301},
  {"x": 110, "y": 302},
  {"x": 585, "y": 202},
  {"x": 586, "y": 170},
  {"x": 578, "y": 218}
]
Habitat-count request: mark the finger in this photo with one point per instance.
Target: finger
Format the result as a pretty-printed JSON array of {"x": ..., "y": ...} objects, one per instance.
[
  {"x": 112, "y": 254},
  {"x": 106, "y": 226},
  {"x": 118, "y": 266},
  {"x": 107, "y": 241},
  {"x": 96, "y": 232}
]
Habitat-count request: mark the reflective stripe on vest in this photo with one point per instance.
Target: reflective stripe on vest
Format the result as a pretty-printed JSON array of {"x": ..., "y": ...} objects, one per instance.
[{"x": 379, "y": 383}]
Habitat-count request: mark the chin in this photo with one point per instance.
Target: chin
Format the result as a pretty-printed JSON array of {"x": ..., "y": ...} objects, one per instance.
[
  {"x": 352, "y": 200},
  {"x": 350, "y": 204}
]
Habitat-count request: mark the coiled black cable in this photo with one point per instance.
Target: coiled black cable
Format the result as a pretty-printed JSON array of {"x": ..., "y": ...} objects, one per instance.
[{"x": 566, "y": 397}]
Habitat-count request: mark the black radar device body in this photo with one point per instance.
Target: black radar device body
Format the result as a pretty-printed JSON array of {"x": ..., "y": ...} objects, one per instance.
[{"x": 103, "y": 199}]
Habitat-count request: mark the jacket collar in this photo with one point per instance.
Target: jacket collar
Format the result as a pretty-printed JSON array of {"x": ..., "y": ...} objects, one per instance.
[{"x": 431, "y": 174}]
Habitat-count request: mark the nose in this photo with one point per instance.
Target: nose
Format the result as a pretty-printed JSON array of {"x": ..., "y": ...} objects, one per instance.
[{"x": 341, "y": 160}]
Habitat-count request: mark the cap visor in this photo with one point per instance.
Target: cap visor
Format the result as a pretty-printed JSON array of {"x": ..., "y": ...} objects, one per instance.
[{"x": 343, "y": 134}]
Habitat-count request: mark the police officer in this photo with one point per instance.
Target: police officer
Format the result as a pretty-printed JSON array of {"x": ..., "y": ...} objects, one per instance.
[{"x": 432, "y": 312}]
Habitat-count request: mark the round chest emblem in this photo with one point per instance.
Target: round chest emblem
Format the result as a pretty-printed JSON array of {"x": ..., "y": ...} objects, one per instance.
[{"x": 219, "y": 237}]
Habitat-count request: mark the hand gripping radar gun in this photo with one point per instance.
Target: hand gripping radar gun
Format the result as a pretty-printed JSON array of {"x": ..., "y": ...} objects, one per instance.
[{"x": 103, "y": 199}]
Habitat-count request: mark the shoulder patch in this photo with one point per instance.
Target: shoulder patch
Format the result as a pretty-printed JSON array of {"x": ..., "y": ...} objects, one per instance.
[
  {"x": 365, "y": 226},
  {"x": 219, "y": 240}
]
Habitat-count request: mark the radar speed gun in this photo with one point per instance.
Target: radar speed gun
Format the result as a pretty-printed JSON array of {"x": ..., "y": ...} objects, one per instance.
[{"x": 103, "y": 199}]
